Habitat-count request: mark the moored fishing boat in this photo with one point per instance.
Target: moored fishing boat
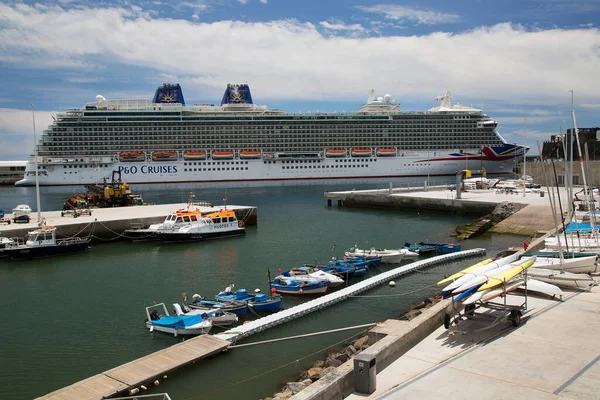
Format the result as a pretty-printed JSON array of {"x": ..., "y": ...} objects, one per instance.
[
  {"x": 233, "y": 306},
  {"x": 308, "y": 273},
  {"x": 299, "y": 288},
  {"x": 387, "y": 256},
  {"x": 216, "y": 316},
  {"x": 177, "y": 325},
  {"x": 42, "y": 242},
  {"x": 259, "y": 302}
]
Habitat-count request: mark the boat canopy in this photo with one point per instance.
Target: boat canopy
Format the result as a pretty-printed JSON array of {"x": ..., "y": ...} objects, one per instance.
[{"x": 179, "y": 322}]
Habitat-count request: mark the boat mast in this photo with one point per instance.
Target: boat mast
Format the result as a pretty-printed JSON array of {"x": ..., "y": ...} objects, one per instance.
[
  {"x": 552, "y": 206},
  {"x": 37, "y": 172},
  {"x": 585, "y": 187}
]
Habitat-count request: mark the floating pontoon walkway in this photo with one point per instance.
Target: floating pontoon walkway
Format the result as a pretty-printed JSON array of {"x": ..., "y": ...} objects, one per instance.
[
  {"x": 289, "y": 314},
  {"x": 140, "y": 371},
  {"x": 155, "y": 365}
]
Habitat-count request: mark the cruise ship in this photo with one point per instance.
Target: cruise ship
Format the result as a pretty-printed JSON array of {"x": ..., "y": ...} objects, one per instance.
[{"x": 166, "y": 141}]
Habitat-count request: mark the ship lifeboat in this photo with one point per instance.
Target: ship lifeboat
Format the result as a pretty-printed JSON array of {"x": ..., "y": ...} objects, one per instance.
[
  {"x": 335, "y": 153},
  {"x": 386, "y": 152},
  {"x": 222, "y": 155},
  {"x": 164, "y": 156},
  {"x": 129, "y": 156},
  {"x": 194, "y": 155},
  {"x": 361, "y": 152},
  {"x": 245, "y": 154}
]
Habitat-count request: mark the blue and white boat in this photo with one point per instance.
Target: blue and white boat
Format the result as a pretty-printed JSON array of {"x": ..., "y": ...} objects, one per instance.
[
  {"x": 300, "y": 288},
  {"x": 177, "y": 325},
  {"x": 233, "y": 306},
  {"x": 255, "y": 301},
  {"x": 309, "y": 273}
]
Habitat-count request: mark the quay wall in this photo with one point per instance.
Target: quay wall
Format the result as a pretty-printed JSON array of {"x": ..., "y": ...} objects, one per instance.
[
  {"x": 105, "y": 224},
  {"x": 385, "y": 200},
  {"x": 392, "y": 340}
]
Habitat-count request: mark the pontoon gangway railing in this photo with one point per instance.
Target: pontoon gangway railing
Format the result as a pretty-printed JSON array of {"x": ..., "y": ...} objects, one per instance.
[{"x": 289, "y": 314}]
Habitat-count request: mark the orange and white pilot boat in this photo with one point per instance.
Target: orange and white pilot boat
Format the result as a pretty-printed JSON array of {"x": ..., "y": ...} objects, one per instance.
[{"x": 210, "y": 225}]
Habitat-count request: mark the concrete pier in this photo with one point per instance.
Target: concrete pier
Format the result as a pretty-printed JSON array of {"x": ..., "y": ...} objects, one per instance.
[
  {"x": 110, "y": 223},
  {"x": 534, "y": 217}
]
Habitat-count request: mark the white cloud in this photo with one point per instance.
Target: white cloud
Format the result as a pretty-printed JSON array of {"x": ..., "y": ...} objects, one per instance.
[
  {"x": 339, "y": 26},
  {"x": 402, "y": 13},
  {"x": 16, "y": 132},
  {"x": 264, "y": 1},
  {"x": 243, "y": 1},
  {"x": 504, "y": 65}
]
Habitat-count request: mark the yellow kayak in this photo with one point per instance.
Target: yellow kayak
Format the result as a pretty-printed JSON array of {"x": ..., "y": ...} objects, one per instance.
[
  {"x": 464, "y": 271},
  {"x": 507, "y": 275}
]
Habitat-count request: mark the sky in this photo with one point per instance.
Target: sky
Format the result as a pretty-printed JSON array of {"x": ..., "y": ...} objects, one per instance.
[{"x": 523, "y": 62}]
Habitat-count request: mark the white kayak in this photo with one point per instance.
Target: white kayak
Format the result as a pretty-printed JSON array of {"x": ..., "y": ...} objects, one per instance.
[
  {"x": 479, "y": 271},
  {"x": 535, "y": 285},
  {"x": 482, "y": 278}
]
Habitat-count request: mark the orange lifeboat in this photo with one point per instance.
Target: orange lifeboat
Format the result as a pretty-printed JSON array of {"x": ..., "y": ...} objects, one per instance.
[
  {"x": 386, "y": 152},
  {"x": 194, "y": 155},
  {"x": 129, "y": 156},
  {"x": 335, "y": 153},
  {"x": 361, "y": 152},
  {"x": 164, "y": 156},
  {"x": 222, "y": 155},
  {"x": 250, "y": 154}
]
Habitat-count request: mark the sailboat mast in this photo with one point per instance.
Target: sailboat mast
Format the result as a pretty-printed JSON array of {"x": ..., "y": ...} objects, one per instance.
[{"x": 585, "y": 186}]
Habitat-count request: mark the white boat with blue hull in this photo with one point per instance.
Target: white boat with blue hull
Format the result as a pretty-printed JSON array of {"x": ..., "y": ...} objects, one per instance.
[
  {"x": 177, "y": 325},
  {"x": 275, "y": 148}
]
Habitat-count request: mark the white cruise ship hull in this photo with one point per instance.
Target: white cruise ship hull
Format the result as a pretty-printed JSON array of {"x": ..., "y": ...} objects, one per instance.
[{"x": 354, "y": 169}]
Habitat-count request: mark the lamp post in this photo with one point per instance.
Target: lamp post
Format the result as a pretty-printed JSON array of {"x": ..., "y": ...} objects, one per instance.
[
  {"x": 525, "y": 160},
  {"x": 37, "y": 172}
]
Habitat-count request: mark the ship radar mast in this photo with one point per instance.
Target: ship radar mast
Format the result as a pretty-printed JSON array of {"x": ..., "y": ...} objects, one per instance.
[{"x": 445, "y": 99}]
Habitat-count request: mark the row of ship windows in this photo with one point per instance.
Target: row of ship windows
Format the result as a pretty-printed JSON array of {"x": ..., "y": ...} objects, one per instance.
[
  {"x": 325, "y": 166},
  {"x": 218, "y": 163},
  {"x": 215, "y": 169}
]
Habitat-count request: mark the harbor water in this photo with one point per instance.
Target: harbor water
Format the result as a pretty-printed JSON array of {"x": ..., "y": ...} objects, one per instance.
[{"x": 71, "y": 317}]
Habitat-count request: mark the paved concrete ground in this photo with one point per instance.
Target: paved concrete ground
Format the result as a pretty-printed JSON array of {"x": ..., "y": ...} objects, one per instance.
[{"x": 553, "y": 354}]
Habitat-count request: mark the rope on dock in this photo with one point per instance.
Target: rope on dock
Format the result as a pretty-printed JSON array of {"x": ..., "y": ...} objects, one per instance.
[{"x": 304, "y": 335}]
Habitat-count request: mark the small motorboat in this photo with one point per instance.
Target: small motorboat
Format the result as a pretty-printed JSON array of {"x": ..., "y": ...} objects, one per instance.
[
  {"x": 345, "y": 271},
  {"x": 300, "y": 288},
  {"x": 216, "y": 316},
  {"x": 387, "y": 256},
  {"x": 175, "y": 324},
  {"x": 42, "y": 243},
  {"x": 21, "y": 209},
  {"x": 309, "y": 273},
  {"x": 232, "y": 306},
  {"x": 255, "y": 301}
]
